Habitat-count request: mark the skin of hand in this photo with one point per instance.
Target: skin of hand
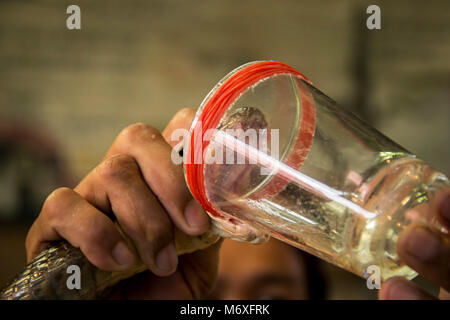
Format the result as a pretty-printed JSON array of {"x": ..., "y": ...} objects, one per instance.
[
  {"x": 146, "y": 192},
  {"x": 427, "y": 251}
]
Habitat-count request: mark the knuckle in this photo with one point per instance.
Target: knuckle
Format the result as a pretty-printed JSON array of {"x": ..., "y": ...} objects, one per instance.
[
  {"x": 138, "y": 132},
  {"x": 55, "y": 204},
  {"x": 97, "y": 239},
  {"x": 160, "y": 233},
  {"x": 121, "y": 166},
  {"x": 185, "y": 114},
  {"x": 96, "y": 232}
]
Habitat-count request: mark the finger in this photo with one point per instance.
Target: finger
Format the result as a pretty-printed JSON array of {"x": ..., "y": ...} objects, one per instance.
[
  {"x": 181, "y": 122},
  {"x": 444, "y": 294},
  {"x": 441, "y": 206},
  {"x": 194, "y": 280},
  {"x": 163, "y": 176},
  {"x": 117, "y": 186},
  {"x": 398, "y": 288},
  {"x": 427, "y": 251},
  {"x": 199, "y": 269},
  {"x": 67, "y": 215},
  {"x": 175, "y": 133}
]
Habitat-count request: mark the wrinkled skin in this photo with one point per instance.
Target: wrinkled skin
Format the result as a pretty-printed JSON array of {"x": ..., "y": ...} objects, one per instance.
[{"x": 145, "y": 191}]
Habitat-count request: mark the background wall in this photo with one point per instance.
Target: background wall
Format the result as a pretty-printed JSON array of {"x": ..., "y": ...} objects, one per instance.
[{"x": 71, "y": 92}]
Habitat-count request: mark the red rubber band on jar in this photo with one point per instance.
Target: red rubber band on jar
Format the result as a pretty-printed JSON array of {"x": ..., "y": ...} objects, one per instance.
[{"x": 218, "y": 104}]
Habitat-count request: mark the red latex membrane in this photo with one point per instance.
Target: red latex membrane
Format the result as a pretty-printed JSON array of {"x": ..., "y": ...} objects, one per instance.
[
  {"x": 270, "y": 155},
  {"x": 231, "y": 135}
]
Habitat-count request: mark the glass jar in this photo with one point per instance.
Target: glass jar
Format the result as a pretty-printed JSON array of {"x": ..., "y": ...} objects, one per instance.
[{"x": 268, "y": 154}]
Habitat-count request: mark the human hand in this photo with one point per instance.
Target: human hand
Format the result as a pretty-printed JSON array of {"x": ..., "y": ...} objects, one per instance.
[
  {"x": 427, "y": 251},
  {"x": 138, "y": 184}
]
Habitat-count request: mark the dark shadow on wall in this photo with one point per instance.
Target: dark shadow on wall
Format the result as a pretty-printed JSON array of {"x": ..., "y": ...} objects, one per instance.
[{"x": 30, "y": 166}]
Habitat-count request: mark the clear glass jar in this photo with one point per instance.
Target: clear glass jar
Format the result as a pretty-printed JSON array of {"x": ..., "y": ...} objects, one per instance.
[{"x": 268, "y": 154}]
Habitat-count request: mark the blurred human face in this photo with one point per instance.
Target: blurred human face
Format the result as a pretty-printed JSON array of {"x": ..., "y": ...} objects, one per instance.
[{"x": 272, "y": 270}]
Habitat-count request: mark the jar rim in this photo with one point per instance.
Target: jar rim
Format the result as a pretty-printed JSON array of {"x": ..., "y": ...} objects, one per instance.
[{"x": 214, "y": 107}]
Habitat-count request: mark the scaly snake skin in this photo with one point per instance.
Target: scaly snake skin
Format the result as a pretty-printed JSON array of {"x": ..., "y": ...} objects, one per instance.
[{"x": 46, "y": 275}]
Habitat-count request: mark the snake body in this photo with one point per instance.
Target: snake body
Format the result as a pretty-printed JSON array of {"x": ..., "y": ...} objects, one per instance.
[{"x": 47, "y": 275}]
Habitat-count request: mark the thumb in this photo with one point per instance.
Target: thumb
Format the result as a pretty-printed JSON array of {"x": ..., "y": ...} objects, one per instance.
[
  {"x": 199, "y": 269},
  {"x": 181, "y": 121}
]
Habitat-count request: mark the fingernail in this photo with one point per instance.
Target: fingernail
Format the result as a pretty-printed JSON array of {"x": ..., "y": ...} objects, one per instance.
[
  {"x": 122, "y": 254},
  {"x": 195, "y": 215},
  {"x": 444, "y": 208},
  {"x": 422, "y": 244},
  {"x": 167, "y": 259}
]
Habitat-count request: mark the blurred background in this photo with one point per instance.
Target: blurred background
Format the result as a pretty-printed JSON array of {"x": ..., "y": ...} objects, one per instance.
[{"x": 65, "y": 95}]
